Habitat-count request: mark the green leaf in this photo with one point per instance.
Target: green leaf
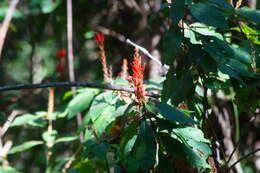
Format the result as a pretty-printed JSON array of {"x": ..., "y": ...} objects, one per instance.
[
  {"x": 177, "y": 10},
  {"x": 66, "y": 139},
  {"x": 239, "y": 67},
  {"x": 171, "y": 44},
  {"x": 24, "y": 146},
  {"x": 178, "y": 89},
  {"x": 215, "y": 84},
  {"x": 190, "y": 133},
  {"x": 49, "y": 136},
  {"x": 30, "y": 119},
  {"x": 3, "y": 11},
  {"x": 126, "y": 142},
  {"x": 173, "y": 114},
  {"x": 105, "y": 118},
  {"x": 227, "y": 70},
  {"x": 48, "y": 6},
  {"x": 145, "y": 147},
  {"x": 8, "y": 170},
  {"x": 195, "y": 157},
  {"x": 81, "y": 102},
  {"x": 209, "y": 14},
  {"x": 151, "y": 107},
  {"x": 99, "y": 104},
  {"x": 249, "y": 14}
]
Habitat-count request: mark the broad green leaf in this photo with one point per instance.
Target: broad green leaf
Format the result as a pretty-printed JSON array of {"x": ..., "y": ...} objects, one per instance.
[
  {"x": 144, "y": 149},
  {"x": 151, "y": 107},
  {"x": 81, "y": 102},
  {"x": 198, "y": 56},
  {"x": 178, "y": 89},
  {"x": 215, "y": 84},
  {"x": 8, "y": 169},
  {"x": 193, "y": 155},
  {"x": 24, "y": 146},
  {"x": 227, "y": 70},
  {"x": 171, "y": 44},
  {"x": 239, "y": 67},
  {"x": 249, "y": 14},
  {"x": 177, "y": 10},
  {"x": 99, "y": 104},
  {"x": 209, "y": 14},
  {"x": 49, "y": 6},
  {"x": 190, "y": 133},
  {"x": 195, "y": 160},
  {"x": 128, "y": 138},
  {"x": 3, "y": 11},
  {"x": 49, "y": 136},
  {"x": 66, "y": 139},
  {"x": 173, "y": 114},
  {"x": 205, "y": 30},
  {"x": 105, "y": 118},
  {"x": 223, "y": 53},
  {"x": 30, "y": 119}
]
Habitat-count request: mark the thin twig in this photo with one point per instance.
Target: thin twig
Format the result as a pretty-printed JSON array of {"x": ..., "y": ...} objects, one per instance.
[
  {"x": 71, "y": 56},
  {"x": 236, "y": 146},
  {"x": 122, "y": 38},
  {"x": 49, "y": 118},
  {"x": 244, "y": 157},
  {"x": 5, "y": 25},
  {"x": 145, "y": 51},
  {"x": 71, "y": 84},
  {"x": 9, "y": 121}
]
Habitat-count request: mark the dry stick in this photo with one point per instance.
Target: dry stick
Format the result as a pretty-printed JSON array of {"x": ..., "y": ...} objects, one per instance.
[
  {"x": 9, "y": 121},
  {"x": 71, "y": 84},
  {"x": 5, "y": 25},
  {"x": 122, "y": 38},
  {"x": 49, "y": 118},
  {"x": 71, "y": 56},
  {"x": 145, "y": 51}
]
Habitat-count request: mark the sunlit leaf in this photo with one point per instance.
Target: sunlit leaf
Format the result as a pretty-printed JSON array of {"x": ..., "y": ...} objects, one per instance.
[
  {"x": 173, "y": 114},
  {"x": 25, "y": 146}
]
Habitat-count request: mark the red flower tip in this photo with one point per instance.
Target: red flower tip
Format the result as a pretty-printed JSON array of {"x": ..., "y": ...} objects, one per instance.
[
  {"x": 61, "y": 53},
  {"x": 99, "y": 38}
]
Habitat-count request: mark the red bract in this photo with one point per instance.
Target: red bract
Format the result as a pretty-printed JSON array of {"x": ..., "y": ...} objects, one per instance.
[
  {"x": 137, "y": 78},
  {"x": 61, "y": 53},
  {"x": 99, "y": 38}
]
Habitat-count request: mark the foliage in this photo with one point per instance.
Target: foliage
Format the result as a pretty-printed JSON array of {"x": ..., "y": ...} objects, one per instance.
[{"x": 217, "y": 50}]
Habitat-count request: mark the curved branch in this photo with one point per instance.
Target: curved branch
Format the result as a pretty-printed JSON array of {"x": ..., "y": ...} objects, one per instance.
[{"x": 70, "y": 84}]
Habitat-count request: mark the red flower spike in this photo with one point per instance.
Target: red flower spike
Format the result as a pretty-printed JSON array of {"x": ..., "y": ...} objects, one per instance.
[
  {"x": 99, "y": 38},
  {"x": 137, "y": 78},
  {"x": 61, "y": 53}
]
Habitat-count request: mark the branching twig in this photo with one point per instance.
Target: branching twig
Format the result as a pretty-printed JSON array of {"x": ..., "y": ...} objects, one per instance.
[
  {"x": 9, "y": 121},
  {"x": 122, "y": 38},
  {"x": 70, "y": 84},
  {"x": 5, "y": 25},
  {"x": 244, "y": 157}
]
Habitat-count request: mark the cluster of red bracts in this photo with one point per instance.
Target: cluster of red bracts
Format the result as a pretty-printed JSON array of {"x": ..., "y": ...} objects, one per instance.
[
  {"x": 137, "y": 68},
  {"x": 137, "y": 78},
  {"x": 61, "y": 54}
]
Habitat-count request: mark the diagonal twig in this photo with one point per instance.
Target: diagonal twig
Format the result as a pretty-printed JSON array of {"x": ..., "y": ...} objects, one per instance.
[
  {"x": 122, "y": 38},
  {"x": 5, "y": 25},
  {"x": 71, "y": 84}
]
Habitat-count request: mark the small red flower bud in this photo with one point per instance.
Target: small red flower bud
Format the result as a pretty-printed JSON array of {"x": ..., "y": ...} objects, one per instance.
[
  {"x": 61, "y": 53},
  {"x": 99, "y": 38}
]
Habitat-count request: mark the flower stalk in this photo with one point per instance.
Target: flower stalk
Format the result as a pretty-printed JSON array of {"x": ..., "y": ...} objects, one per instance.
[{"x": 99, "y": 39}]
